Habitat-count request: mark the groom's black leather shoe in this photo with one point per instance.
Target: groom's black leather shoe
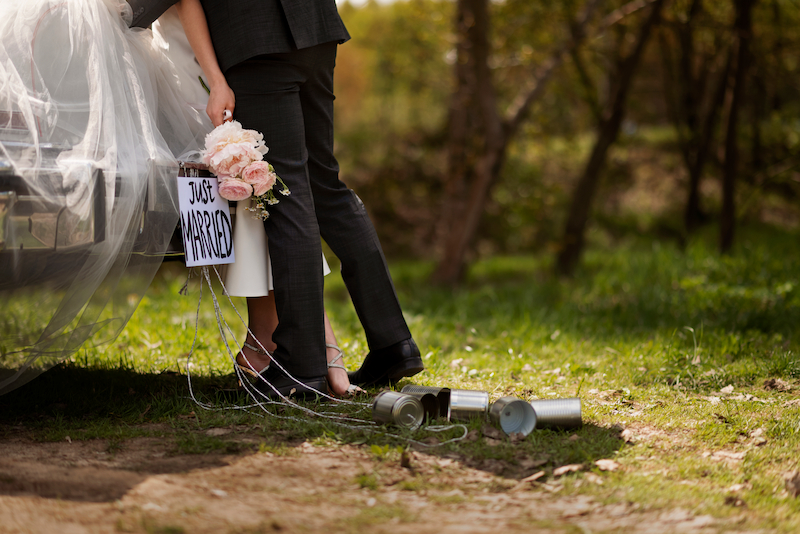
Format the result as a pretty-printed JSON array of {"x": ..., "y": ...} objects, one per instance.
[
  {"x": 382, "y": 367},
  {"x": 308, "y": 388}
]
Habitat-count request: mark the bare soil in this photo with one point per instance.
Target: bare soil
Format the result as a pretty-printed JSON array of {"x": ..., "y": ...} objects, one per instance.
[{"x": 144, "y": 485}]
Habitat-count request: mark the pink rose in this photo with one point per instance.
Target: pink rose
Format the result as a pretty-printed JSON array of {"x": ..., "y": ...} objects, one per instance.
[
  {"x": 259, "y": 176},
  {"x": 235, "y": 189},
  {"x": 232, "y": 159}
]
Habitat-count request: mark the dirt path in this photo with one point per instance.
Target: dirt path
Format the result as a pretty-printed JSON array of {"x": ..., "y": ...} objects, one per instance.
[{"x": 142, "y": 486}]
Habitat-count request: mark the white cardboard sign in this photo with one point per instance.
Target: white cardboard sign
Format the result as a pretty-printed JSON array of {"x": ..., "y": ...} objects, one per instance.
[{"x": 205, "y": 222}]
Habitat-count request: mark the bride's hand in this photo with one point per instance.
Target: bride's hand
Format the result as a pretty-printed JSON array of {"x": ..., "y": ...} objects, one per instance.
[{"x": 220, "y": 100}]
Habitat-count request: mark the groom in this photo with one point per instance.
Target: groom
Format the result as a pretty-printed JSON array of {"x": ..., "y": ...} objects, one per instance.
[{"x": 278, "y": 57}]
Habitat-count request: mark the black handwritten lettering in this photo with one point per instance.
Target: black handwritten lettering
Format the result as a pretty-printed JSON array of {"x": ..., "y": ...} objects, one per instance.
[
  {"x": 201, "y": 192},
  {"x": 206, "y": 231},
  {"x": 197, "y": 219},
  {"x": 208, "y": 235}
]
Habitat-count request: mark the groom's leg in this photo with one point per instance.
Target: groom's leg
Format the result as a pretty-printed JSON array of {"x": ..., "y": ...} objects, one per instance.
[
  {"x": 267, "y": 100},
  {"x": 343, "y": 220}
]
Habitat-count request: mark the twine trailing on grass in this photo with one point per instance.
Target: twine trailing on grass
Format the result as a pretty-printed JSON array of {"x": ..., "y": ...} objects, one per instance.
[{"x": 263, "y": 402}]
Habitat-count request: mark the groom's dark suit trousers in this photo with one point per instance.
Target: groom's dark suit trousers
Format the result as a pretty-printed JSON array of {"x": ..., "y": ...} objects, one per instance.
[{"x": 289, "y": 98}]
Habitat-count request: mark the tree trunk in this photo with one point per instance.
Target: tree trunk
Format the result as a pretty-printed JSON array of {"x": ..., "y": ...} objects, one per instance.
[
  {"x": 744, "y": 28},
  {"x": 478, "y": 135},
  {"x": 693, "y": 215},
  {"x": 572, "y": 242},
  {"x": 475, "y": 136}
]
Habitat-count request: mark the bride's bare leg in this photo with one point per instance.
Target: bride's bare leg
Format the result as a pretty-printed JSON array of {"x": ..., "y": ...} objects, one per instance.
[
  {"x": 262, "y": 319},
  {"x": 337, "y": 377}
]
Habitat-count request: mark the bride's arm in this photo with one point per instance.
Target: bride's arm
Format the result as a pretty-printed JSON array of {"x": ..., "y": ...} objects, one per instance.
[{"x": 193, "y": 20}]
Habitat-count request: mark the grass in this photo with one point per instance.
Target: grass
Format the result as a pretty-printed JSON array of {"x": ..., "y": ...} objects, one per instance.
[{"x": 673, "y": 346}]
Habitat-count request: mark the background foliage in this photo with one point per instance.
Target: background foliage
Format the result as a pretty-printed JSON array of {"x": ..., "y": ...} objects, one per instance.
[{"x": 395, "y": 77}]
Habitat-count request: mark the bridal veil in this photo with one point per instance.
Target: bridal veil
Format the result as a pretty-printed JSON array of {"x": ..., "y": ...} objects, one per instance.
[{"x": 91, "y": 120}]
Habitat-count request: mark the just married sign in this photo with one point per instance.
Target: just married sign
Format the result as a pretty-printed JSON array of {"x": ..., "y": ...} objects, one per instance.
[{"x": 205, "y": 222}]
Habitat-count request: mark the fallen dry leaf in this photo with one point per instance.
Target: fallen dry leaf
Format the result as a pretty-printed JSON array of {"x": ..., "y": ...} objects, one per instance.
[
  {"x": 758, "y": 437},
  {"x": 733, "y": 500},
  {"x": 533, "y": 477},
  {"x": 793, "y": 483},
  {"x": 607, "y": 465},
  {"x": 492, "y": 432},
  {"x": 777, "y": 384},
  {"x": 594, "y": 479},
  {"x": 564, "y": 469},
  {"x": 528, "y": 463},
  {"x": 728, "y": 456},
  {"x": 628, "y": 436},
  {"x": 472, "y": 435},
  {"x": 727, "y": 390},
  {"x": 750, "y": 398},
  {"x": 795, "y": 402},
  {"x": 218, "y": 431},
  {"x": 516, "y": 437},
  {"x": 553, "y": 488}
]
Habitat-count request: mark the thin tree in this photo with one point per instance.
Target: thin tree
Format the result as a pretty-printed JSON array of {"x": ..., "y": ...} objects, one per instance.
[
  {"x": 620, "y": 81},
  {"x": 696, "y": 82},
  {"x": 744, "y": 33}
]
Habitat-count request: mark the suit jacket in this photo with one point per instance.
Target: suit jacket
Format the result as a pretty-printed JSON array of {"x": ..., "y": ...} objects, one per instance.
[
  {"x": 145, "y": 12},
  {"x": 241, "y": 29}
]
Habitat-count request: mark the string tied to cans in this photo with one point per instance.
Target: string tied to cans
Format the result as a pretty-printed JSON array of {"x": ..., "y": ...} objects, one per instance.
[
  {"x": 261, "y": 403},
  {"x": 409, "y": 409}
]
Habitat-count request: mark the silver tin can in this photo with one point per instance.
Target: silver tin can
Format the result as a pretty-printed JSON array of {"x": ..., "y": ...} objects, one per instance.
[
  {"x": 558, "y": 413},
  {"x": 466, "y": 404},
  {"x": 427, "y": 394},
  {"x": 513, "y": 415},
  {"x": 399, "y": 409}
]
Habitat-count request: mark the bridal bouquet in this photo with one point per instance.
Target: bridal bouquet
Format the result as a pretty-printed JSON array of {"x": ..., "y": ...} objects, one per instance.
[{"x": 236, "y": 157}]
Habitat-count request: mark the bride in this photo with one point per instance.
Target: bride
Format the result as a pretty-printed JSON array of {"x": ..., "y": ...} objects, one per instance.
[
  {"x": 251, "y": 275},
  {"x": 74, "y": 77}
]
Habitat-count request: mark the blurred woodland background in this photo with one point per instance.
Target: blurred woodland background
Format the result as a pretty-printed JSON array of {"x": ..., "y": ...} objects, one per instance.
[{"x": 477, "y": 127}]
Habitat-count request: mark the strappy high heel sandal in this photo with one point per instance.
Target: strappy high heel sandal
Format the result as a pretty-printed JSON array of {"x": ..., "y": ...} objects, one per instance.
[
  {"x": 251, "y": 374},
  {"x": 352, "y": 389}
]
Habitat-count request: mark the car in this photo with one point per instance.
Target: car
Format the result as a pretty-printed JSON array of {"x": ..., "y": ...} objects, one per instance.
[{"x": 88, "y": 193}]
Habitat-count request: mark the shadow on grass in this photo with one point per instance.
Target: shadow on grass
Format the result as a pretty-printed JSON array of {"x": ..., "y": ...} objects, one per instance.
[{"x": 103, "y": 409}]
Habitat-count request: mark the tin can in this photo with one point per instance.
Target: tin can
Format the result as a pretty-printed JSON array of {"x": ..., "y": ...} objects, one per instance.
[
  {"x": 515, "y": 416},
  {"x": 558, "y": 413},
  {"x": 399, "y": 409},
  {"x": 426, "y": 394},
  {"x": 466, "y": 404}
]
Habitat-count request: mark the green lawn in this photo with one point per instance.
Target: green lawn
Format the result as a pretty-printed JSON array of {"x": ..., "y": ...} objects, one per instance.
[{"x": 669, "y": 350}]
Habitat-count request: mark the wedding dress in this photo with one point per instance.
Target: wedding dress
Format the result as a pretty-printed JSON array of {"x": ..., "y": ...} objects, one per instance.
[
  {"x": 251, "y": 274},
  {"x": 91, "y": 120}
]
